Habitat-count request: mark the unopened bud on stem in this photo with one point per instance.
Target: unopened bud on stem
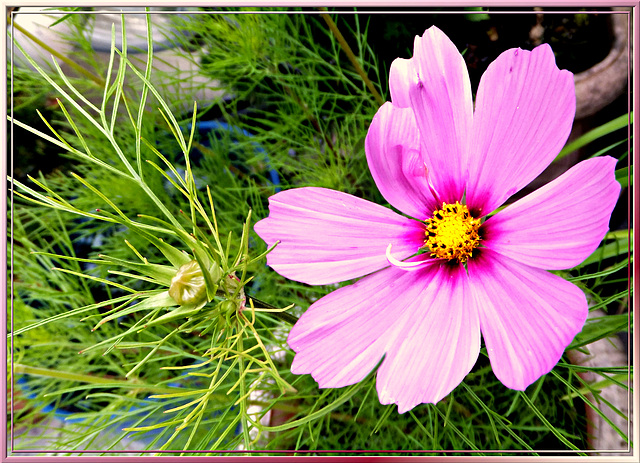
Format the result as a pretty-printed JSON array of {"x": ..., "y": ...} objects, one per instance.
[{"x": 188, "y": 285}]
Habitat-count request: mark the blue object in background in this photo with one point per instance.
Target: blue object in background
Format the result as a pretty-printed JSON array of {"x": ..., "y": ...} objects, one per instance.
[
  {"x": 67, "y": 415},
  {"x": 22, "y": 383}
]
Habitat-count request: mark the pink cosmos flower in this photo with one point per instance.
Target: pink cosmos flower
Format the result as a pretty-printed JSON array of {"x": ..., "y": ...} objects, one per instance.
[{"x": 455, "y": 271}]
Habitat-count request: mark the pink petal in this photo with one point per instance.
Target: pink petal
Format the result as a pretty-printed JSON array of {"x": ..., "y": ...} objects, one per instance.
[
  {"x": 327, "y": 236},
  {"x": 438, "y": 345},
  {"x": 344, "y": 335},
  {"x": 528, "y": 316},
  {"x": 401, "y": 75},
  {"x": 560, "y": 224},
  {"x": 393, "y": 155},
  {"x": 524, "y": 111},
  {"x": 441, "y": 100}
]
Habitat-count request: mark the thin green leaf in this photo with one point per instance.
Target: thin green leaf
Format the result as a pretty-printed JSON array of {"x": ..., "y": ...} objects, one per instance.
[{"x": 605, "y": 129}]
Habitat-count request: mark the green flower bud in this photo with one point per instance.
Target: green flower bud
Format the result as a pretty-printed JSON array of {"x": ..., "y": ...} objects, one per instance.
[
  {"x": 188, "y": 285},
  {"x": 228, "y": 307}
]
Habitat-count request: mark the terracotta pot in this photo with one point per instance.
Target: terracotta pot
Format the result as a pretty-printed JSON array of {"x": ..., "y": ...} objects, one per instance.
[{"x": 603, "y": 83}]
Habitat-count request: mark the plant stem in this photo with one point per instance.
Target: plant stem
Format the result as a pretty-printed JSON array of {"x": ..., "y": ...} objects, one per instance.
[
  {"x": 352, "y": 57},
  {"x": 26, "y": 369},
  {"x": 284, "y": 316}
]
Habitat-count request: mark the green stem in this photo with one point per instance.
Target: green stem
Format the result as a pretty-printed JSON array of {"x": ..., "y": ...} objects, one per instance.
[
  {"x": 352, "y": 57},
  {"x": 97, "y": 79},
  {"x": 349, "y": 392},
  {"x": 243, "y": 402},
  {"x": 284, "y": 316},
  {"x": 614, "y": 380},
  {"x": 26, "y": 369}
]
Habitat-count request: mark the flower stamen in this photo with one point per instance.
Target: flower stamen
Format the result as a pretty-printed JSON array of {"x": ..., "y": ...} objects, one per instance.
[{"x": 452, "y": 233}]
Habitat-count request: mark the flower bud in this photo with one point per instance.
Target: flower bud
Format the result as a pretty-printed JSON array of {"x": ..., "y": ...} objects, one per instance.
[
  {"x": 228, "y": 307},
  {"x": 188, "y": 285}
]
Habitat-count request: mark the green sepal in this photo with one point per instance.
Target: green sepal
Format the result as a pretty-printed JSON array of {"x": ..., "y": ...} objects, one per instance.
[
  {"x": 183, "y": 311},
  {"x": 198, "y": 252},
  {"x": 160, "y": 300},
  {"x": 161, "y": 273},
  {"x": 203, "y": 261},
  {"x": 174, "y": 255}
]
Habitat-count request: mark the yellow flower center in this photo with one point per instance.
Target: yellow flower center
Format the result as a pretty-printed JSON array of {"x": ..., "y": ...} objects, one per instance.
[{"x": 452, "y": 233}]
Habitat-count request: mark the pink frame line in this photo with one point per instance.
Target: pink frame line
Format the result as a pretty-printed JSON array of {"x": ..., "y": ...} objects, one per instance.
[{"x": 633, "y": 197}]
